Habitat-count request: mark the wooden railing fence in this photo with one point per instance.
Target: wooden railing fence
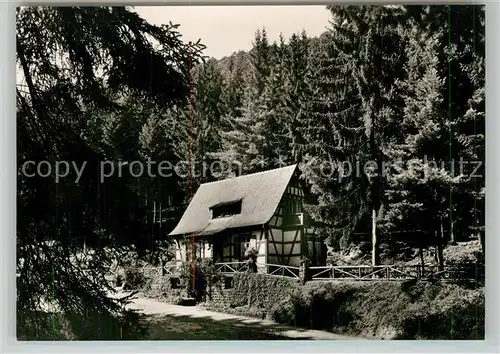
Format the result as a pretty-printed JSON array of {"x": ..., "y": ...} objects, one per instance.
[{"x": 467, "y": 272}]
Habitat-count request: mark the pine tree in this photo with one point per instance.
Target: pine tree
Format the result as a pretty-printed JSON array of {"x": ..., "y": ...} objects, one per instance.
[
  {"x": 354, "y": 114},
  {"x": 208, "y": 109},
  {"x": 298, "y": 76},
  {"x": 261, "y": 60},
  {"x": 244, "y": 136},
  {"x": 243, "y": 144},
  {"x": 436, "y": 192},
  {"x": 417, "y": 181},
  {"x": 467, "y": 122},
  {"x": 279, "y": 108},
  {"x": 237, "y": 71},
  {"x": 76, "y": 60}
]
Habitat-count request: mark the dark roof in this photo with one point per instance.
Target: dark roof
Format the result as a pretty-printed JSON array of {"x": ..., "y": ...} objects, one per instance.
[{"x": 260, "y": 194}]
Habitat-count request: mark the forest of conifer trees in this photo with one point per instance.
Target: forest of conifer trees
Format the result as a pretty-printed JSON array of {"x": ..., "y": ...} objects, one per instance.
[{"x": 397, "y": 91}]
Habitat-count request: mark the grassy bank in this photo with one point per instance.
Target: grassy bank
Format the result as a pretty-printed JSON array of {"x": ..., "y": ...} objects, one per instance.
[
  {"x": 387, "y": 310},
  {"x": 384, "y": 310}
]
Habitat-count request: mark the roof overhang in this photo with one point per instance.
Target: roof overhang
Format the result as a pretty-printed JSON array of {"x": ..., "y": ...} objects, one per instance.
[{"x": 259, "y": 193}]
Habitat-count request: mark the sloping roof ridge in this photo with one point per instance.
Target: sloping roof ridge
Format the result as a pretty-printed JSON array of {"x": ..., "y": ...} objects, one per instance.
[
  {"x": 249, "y": 175},
  {"x": 256, "y": 211}
]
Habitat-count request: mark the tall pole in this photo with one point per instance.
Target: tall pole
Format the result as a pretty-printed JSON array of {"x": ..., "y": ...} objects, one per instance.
[{"x": 191, "y": 156}]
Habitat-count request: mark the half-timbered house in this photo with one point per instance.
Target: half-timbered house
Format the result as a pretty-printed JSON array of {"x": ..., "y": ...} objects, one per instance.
[{"x": 263, "y": 210}]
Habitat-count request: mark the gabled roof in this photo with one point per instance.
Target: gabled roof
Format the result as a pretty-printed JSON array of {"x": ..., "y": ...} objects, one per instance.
[{"x": 260, "y": 194}]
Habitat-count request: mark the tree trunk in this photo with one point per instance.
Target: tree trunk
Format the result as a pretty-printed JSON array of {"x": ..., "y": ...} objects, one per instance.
[
  {"x": 436, "y": 247},
  {"x": 452, "y": 234},
  {"x": 439, "y": 246},
  {"x": 375, "y": 251},
  {"x": 480, "y": 237},
  {"x": 422, "y": 263},
  {"x": 162, "y": 269}
]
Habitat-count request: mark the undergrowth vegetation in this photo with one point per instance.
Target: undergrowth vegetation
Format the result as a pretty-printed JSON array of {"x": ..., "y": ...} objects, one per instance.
[
  {"x": 71, "y": 326},
  {"x": 374, "y": 309},
  {"x": 412, "y": 310}
]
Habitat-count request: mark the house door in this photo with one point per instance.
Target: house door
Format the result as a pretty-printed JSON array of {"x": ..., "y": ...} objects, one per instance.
[
  {"x": 218, "y": 249},
  {"x": 316, "y": 250}
]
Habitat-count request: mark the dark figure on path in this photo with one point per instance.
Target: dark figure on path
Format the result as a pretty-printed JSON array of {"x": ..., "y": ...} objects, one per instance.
[{"x": 199, "y": 284}]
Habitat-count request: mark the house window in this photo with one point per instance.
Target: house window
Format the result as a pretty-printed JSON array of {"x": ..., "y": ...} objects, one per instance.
[
  {"x": 291, "y": 208},
  {"x": 199, "y": 249},
  {"x": 218, "y": 251},
  {"x": 286, "y": 207},
  {"x": 226, "y": 209},
  {"x": 310, "y": 252}
]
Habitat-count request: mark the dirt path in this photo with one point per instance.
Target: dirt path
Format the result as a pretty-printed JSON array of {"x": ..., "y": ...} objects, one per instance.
[{"x": 193, "y": 322}]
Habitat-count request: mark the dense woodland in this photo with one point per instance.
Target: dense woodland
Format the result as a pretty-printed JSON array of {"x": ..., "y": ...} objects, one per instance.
[{"x": 386, "y": 84}]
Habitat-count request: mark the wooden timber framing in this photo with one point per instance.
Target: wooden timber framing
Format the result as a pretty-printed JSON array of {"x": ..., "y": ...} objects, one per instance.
[
  {"x": 270, "y": 237},
  {"x": 282, "y": 233},
  {"x": 287, "y": 241},
  {"x": 234, "y": 243},
  {"x": 293, "y": 245}
]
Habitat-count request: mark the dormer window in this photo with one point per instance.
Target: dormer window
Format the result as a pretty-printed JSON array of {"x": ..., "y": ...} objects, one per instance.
[{"x": 226, "y": 209}]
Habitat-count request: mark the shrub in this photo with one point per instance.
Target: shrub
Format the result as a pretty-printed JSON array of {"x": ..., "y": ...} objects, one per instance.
[
  {"x": 319, "y": 306},
  {"x": 252, "y": 253},
  {"x": 249, "y": 312},
  {"x": 454, "y": 313},
  {"x": 380, "y": 309},
  {"x": 206, "y": 275},
  {"x": 385, "y": 310},
  {"x": 134, "y": 279},
  {"x": 283, "y": 312},
  {"x": 161, "y": 288},
  {"x": 119, "y": 280},
  {"x": 260, "y": 290}
]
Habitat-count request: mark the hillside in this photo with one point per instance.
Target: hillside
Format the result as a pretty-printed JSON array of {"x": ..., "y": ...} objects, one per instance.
[
  {"x": 262, "y": 84},
  {"x": 403, "y": 254}
]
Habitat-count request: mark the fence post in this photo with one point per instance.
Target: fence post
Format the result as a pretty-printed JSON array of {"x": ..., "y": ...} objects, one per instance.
[
  {"x": 304, "y": 271},
  {"x": 302, "y": 278}
]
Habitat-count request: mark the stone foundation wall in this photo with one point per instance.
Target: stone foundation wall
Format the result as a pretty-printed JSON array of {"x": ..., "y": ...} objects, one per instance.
[
  {"x": 251, "y": 290},
  {"x": 260, "y": 290},
  {"x": 243, "y": 289},
  {"x": 219, "y": 298}
]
